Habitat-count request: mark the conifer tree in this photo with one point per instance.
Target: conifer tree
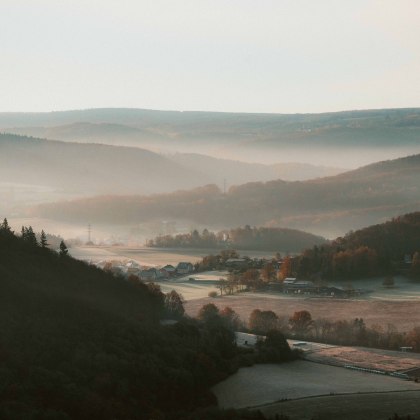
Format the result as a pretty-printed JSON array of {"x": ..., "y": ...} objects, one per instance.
[
  {"x": 30, "y": 236},
  {"x": 63, "y": 249},
  {"x": 43, "y": 241},
  {"x": 5, "y": 228}
]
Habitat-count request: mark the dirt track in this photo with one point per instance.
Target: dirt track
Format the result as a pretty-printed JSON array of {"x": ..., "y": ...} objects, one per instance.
[{"x": 403, "y": 314}]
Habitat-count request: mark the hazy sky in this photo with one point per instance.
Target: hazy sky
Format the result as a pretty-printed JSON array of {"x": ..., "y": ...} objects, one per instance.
[{"x": 223, "y": 55}]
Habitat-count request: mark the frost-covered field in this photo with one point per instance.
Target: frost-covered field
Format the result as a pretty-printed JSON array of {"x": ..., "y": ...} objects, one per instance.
[
  {"x": 373, "y": 311},
  {"x": 200, "y": 288},
  {"x": 264, "y": 384}
]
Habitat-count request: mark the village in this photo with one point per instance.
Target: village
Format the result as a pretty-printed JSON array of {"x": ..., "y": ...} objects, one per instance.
[{"x": 230, "y": 276}]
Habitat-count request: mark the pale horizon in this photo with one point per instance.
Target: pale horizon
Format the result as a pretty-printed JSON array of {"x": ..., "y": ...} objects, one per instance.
[{"x": 238, "y": 56}]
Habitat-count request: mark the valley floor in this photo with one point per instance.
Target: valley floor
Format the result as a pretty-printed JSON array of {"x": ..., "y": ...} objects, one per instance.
[
  {"x": 370, "y": 406},
  {"x": 261, "y": 385},
  {"x": 403, "y": 314}
]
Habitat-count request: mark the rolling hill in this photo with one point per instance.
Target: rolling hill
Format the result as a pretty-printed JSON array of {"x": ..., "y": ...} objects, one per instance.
[
  {"x": 318, "y": 139},
  {"x": 90, "y": 168},
  {"x": 34, "y": 170},
  {"x": 327, "y": 206}
]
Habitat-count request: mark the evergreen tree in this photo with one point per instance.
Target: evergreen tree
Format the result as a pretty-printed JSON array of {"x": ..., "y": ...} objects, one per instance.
[
  {"x": 5, "y": 228},
  {"x": 30, "y": 236},
  {"x": 43, "y": 241},
  {"x": 63, "y": 249}
]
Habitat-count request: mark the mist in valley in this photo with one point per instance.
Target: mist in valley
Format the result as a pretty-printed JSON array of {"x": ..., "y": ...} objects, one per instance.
[{"x": 112, "y": 156}]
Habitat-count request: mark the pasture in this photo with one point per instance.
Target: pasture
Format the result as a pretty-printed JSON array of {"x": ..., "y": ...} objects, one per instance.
[{"x": 264, "y": 384}]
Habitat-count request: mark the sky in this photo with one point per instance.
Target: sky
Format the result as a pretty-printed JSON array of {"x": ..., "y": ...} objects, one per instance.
[{"x": 276, "y": 56}]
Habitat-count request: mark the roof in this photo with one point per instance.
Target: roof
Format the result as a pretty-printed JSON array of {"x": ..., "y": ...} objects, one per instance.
[{"x": 184, "y": 265}]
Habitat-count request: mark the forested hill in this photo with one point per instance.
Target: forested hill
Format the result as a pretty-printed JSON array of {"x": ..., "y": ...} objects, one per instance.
[
  {"x": 90, "y": 168},
  {"x": 328, "y": 206},
  {"x": 76, "y": 342},
  {"x": 372, "y": 251},
  {"x": 270, "y": 239},
  {"x": 353, "y": 136}
]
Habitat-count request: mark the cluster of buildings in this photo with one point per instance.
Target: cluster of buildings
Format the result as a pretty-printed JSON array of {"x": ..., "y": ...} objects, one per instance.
[
  {"x": 291, "y": 285},
  {"x": 131, "y": 267}
]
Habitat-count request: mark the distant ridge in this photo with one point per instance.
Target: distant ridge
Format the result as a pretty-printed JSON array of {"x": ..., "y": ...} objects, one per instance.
[
  {"x": 330, "y": 206},
  {"x": 312, "y": 138}
]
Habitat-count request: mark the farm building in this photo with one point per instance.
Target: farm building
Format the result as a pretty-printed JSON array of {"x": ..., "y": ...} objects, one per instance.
[
  {"x": 149, "y": 274},
  {"x": 184, "y": 268},
  {"x": 169, "y": 269}
]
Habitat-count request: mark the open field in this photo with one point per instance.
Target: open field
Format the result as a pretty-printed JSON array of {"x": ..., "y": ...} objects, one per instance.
[
  {"x": 385, "y": 360},
  {"x": 150, "y": 257},
  {"x": 263, "y": 384},
  {"x": 379, "y": 406},
  {"x": 154, "y": 256},
  {"x": 363, "y": 357},
  {"x": 403, "y": 314},
  {"x": 204, "y": 283}
]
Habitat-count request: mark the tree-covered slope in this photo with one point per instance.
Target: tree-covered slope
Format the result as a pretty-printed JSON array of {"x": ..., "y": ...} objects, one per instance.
[
  {"x": 81, "y": 169},
  {"x": 76, "y": 342},
  {"x": 376, "y": 250}
]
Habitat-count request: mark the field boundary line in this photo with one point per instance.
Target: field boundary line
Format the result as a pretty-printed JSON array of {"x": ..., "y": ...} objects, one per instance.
[{"x": 338, "y": 394}]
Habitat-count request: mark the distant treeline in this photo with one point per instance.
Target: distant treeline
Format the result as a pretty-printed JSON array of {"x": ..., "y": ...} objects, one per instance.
[
  {"x": 260, "y": 238},
  {"x": 353, "y": 332},
  {"x": 375, "y": 250}
]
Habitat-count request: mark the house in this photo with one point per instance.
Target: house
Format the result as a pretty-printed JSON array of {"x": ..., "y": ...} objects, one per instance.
[
  {"x": 184, "y": 268},
  {"x": 149, "y": 274},
  {"x": 133, "y": 268},
  {"x": 292, "y": 285},
  {"x": 289, "y": 280},
  {"x": 163, "y": 274},
  {"x": 169, "y": 269}
]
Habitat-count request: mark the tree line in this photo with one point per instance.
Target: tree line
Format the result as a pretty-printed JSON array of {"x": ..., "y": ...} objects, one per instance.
[
  {"x": 372, "y": 251},
  {"x": 353, "y": 332},
  {"x": 258, "y": 238}
]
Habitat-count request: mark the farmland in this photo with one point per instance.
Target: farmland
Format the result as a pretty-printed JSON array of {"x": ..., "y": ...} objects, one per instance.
[
  {"x": 260, "y": 385},
  {"x": 381, "y": 306},
  {"x": 380, "y": 312}
]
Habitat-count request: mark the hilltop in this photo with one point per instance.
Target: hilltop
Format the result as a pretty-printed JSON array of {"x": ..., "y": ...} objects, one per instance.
[{"x": 337, "y": 137}]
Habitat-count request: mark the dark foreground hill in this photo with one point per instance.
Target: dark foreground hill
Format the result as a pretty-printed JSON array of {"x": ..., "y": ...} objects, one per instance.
[
  {"x": 328, "y": 206},
  {"x": 78, "y": 343}
]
